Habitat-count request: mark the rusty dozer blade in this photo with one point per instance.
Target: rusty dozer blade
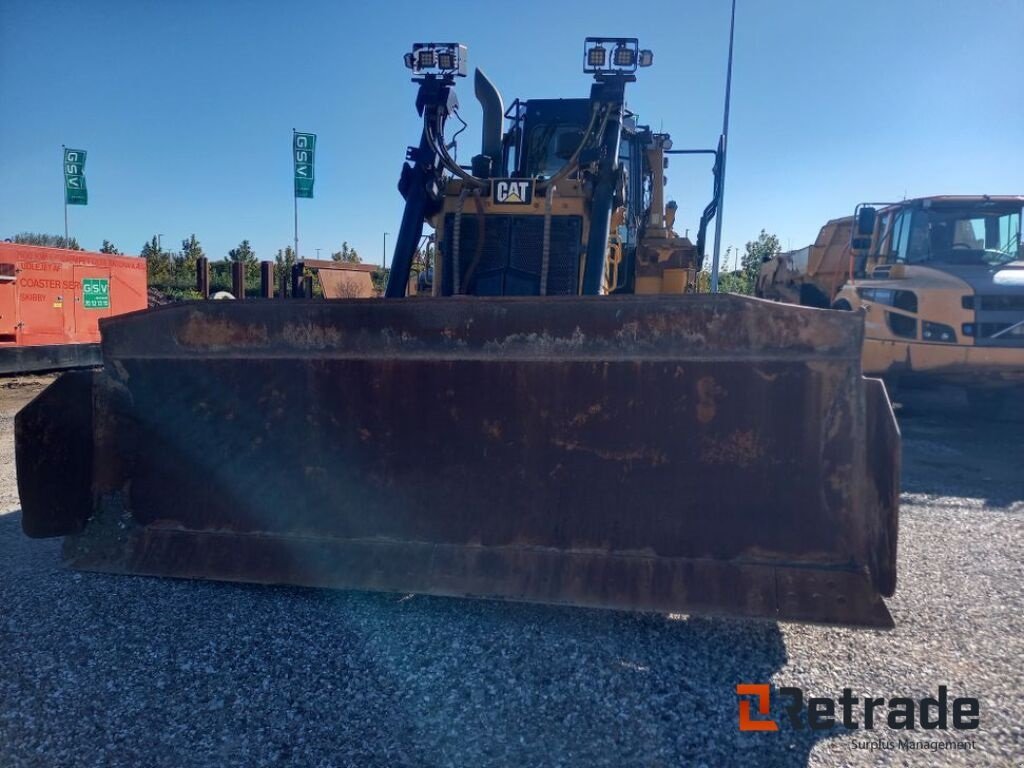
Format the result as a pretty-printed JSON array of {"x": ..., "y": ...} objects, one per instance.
[{"x": 693, "y": 454}]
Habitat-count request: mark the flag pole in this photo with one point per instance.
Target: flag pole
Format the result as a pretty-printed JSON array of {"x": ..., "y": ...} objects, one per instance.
[
  {"x": 62, "y": 153},
  {"x": 295, "y": 200},
  {"x": 725, "y": 148}
]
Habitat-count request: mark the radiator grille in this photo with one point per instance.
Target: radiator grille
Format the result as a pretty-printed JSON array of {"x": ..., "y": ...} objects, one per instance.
[
  {"x": 508, "y": 263},
  {"x": 997, "y": 320},
  {"x": 1008, "y": 302}
]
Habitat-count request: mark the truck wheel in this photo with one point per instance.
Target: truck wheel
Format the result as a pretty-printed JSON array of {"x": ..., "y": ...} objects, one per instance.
[
  {"x": 812, "y": 296},
  {"x": 986, "y": 403}
]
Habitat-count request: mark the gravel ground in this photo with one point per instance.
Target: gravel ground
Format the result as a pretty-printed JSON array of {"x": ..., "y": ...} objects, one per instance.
[{"x": 100, "y": 670}]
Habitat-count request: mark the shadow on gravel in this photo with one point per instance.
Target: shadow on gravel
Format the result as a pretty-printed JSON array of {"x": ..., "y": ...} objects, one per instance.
[
  {"x": 948, "y": 450},
  {"x": 129, "y": 670},
  {"x": 539, "y": 685}
]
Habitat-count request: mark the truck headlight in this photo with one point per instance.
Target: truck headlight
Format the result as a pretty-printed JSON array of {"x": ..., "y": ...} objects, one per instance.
[{"x": 938, "y": 332}]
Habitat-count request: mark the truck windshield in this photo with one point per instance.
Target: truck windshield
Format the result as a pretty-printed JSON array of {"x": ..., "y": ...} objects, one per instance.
[{"x": 969, "y": 235}]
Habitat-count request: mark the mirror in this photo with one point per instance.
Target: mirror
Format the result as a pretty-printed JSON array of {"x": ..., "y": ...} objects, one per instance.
[
  {"x": 866, "y": 221},
  {"x": 864, "y": 228}
]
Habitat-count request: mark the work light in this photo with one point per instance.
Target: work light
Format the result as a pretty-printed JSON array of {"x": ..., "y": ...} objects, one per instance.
[
  {"x": 449, "y": 58},
  {"x": 613, "y": 56},
  {"x": 426, "y": 59},
  {"x": 646, "y": 57},
  {"x": 624, "y": 57},
  {"x": 446, "y": 60}
]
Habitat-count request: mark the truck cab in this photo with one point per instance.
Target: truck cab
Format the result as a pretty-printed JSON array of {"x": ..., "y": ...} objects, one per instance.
[{"x": 940, "y": 281}]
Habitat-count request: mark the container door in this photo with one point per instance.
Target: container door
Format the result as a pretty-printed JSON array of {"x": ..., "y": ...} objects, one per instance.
[
  {"x": 92, "y": 301},
  {"x": 8, "y": 310}
]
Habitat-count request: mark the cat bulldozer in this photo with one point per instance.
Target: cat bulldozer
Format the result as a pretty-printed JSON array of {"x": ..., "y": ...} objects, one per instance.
[{"x": 558, "y": 416}]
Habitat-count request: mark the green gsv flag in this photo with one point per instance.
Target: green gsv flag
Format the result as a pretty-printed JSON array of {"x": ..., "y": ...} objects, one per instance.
[
  {"x": 303, "y": 146},
  {"x": 75, "y": 192}
]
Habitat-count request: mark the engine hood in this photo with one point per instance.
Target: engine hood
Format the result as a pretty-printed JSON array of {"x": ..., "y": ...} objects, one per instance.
[{"x": 1002, "y": 279}]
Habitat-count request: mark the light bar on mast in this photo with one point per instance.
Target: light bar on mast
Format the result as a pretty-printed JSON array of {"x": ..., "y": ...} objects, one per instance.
[{"x": 446, "y": 58}]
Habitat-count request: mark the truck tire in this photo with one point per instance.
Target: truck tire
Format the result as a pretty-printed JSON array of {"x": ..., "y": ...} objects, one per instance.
[{"x": 812, "y": 296}]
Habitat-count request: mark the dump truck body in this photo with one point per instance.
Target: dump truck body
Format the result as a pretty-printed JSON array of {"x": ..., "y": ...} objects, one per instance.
[{"x": 51, "y": 302}]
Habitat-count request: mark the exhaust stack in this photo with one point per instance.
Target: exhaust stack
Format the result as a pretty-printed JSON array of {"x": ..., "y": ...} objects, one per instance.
[{"x": 494, "y": 110}]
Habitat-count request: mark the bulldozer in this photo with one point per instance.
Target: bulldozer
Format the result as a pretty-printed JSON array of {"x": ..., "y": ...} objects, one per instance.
[{"x": 558, "y": 416}]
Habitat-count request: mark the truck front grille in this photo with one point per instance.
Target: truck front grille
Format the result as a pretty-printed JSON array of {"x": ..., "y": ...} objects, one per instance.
[{"x": 1005, "y": 303}]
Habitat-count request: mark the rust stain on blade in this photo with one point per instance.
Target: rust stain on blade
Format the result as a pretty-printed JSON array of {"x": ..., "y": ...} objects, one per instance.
[
  {"x": 742, "y": 448},
  {"x": 708, "y": 393},
  {"x": 583, "y": 417},
  {"x": 201, "y": 331},
  {"x": 492, "y": 429},
  {"x": 312, "y": 335},
  {"x": 651, "y": 456}
]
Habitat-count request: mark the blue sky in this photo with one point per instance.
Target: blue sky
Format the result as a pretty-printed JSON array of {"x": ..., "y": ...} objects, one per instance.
[{"x": 186, "y": 107}]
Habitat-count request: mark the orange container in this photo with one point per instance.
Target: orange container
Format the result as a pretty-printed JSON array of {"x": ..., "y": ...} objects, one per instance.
[{"x": 52, "y": 299}]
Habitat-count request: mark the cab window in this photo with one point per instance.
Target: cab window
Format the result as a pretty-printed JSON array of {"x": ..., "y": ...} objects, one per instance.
[
  {"x": 882, "y": 248},
  {"x": 901, "y": 236},
  {"x": 542, "y": 148}
]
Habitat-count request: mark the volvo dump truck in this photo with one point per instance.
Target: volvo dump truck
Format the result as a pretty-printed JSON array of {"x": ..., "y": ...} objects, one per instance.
[
  {"x": 560, "y": 419},
  {"x": 940, "y": 281}
]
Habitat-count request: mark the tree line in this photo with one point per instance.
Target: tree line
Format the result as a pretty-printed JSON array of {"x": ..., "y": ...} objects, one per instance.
[{"x": 174, "y": 272}]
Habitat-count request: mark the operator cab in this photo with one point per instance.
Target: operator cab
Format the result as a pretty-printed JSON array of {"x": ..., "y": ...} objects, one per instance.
[
  {"x": 552, "y": 129},
  {"x": 941, "y": 232}
]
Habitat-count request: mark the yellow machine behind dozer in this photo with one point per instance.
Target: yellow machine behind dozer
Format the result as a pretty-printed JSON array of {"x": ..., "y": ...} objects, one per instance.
[
  {"x": 563, "y": 420},
  {"x": 940, "y": 281}
]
